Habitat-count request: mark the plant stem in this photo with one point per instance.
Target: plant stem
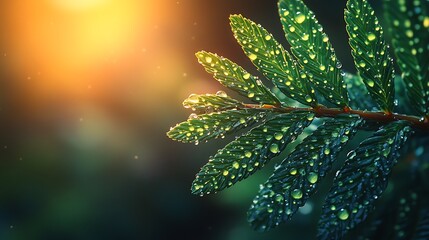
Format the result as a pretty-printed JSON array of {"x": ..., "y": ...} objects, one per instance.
[{"x": 322, "y": 111}]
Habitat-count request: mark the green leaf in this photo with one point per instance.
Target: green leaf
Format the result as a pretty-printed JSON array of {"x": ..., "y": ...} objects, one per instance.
[
  {"x": 208, "y": 126},
  {"x": 298, "y": 176},
  {"x": 370, "y": 53},
  {"x": 358, "y": 93},
  {"x": 273, "y": 60},
  {"x": 312, "y": 48},
  {"x": 250, "y": 152},
  {"x": 211, "y": 103},
  {"x": 409, "y": 25},
  {"x": 361, "y": 180},
  {"x": 422, "y": 229},
  {"x": 236, "y": 78},
  {"x": 407, "y": 210},
  {"x": 395, "y": 217}
]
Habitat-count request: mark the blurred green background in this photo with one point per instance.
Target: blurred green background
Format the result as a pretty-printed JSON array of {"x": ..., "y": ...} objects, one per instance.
[{"x": 88, "y": 91}]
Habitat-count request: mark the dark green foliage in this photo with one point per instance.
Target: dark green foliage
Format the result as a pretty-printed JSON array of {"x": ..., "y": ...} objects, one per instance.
[
  {"x": 422, "y": 229},
  {"x": 409, "y": 27},
  {"x": 313, "y": 69},
  {"x": 297, "y": 177},
  {"x": 405, "y": 216},
  {"x": 312, "y": 49},
  {"x": 362, "y": 180},
  {"x": 398, "y": 218},
  {"x": 272, "y": 60},
  {"x": 250, "y": 152},
  {"x": 370, "y": 53}
]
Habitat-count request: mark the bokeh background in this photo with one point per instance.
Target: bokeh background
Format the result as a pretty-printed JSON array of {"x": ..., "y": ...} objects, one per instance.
[{"x": 88, "y": 89}]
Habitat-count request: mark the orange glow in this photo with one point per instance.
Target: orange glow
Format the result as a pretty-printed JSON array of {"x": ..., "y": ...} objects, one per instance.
[
  {"x": 68, "y": 41},
  {"x": 79, "y": 4}
]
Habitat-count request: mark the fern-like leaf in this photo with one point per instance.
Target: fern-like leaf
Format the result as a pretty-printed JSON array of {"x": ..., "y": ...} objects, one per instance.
[
  {"x": 236, "y": 78},
  {"x": 409, "y": 25},
  {"x": 370, "y": 53},
  {"x": 362, "y": 180},
  {"x": 297, "y": 177},
  {"x": 208, "y": 126},
  {"x": 250, "y": 152},
  {"x": 312, "y": 48},
  {"x": 273, "y": 60}
]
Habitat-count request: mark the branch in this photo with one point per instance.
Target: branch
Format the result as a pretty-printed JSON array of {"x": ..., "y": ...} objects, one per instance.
[{"x": 322, "y": 111}]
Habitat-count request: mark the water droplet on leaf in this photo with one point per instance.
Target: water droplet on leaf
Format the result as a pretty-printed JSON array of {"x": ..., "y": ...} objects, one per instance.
[
  {"x": 343, "y": 214},
  {"x": 296, "y": 193}
]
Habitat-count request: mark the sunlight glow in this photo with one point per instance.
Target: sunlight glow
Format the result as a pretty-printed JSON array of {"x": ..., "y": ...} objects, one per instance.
[{"x": 79, "y": 4}]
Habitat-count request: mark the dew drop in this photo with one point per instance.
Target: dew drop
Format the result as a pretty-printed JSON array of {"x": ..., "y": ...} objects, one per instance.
[
  {"x": 192, "y": 116},
  {"x": 268, "y": 37},
  {"x": 426, "y": 22},
  {"x": 300, "y": 18},
  {"x": 293, "y": 171},
  {"x": 308, "y": 98},
  {"x": 339, "y": 65},
  {"x": 343, "y": 214},
  {"x": 253, "y": 57},
  {"x": 193, "y": 98},
  {"x": 236, "y": 165},
  {"x": 279, "y": 198},
  {"x": 248, "y": 154},
  {"x": 250, "y": 94},
  {"x": 395, "y": 23},
  {"x": 371, "y": 37},
  {"x": 274, "y": 148},
  {"x": 362, "y": 64},
  {"x": 278, "y": 136},
  {"x": 327, "y": 151},
  {"x": 370, "y": 83},
  {"x": 409, "y": 33},
  {"x": 296, "y": 193},
  {"x": 312, "y": 177},
  {"x": 305, "y": 37},
  {"x": 325, "y": 39},
  {"x": 246, "y": 76},
  {"x": 221, "y": 94},
  {"x": 208, "y": 59},
  {"x": 225, "y": 173}
]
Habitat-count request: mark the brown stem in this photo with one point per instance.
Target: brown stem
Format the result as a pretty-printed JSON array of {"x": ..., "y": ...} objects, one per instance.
[{"x": 322, "y": 111}]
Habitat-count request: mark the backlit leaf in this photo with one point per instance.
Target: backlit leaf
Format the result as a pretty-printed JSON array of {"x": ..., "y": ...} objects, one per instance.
[
  {"x": 312, "y": 49},
  {"x": 370, "y": 53},
  {"x": 273, "y": 60}
]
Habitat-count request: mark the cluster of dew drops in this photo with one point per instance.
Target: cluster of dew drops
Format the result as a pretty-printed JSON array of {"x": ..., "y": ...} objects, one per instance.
[{"x": 325, "y": 71}]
